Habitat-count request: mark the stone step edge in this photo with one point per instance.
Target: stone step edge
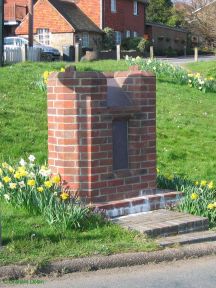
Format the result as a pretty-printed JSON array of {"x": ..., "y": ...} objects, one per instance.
[
  {"x": 139, "y": 200},
  {"x": 139, "y": 204},
  {"x": 204, "y": 237}
]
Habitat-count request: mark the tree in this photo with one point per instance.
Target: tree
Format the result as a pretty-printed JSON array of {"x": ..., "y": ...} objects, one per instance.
[
  {"x": 159, "y": 11},
  {"x": 201, "y": 20}
]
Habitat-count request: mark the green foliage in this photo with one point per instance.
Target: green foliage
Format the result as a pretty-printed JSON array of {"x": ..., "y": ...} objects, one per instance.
[
  {"x": 199, "y": 197},
  {"x": 208, "y": 69},
  {"x": 130, "y": 43},
  {"x": 163, "y": 11},
  {"x": 159, "y": 11},
  {"x": 143, "y": 45},
  {"x": 108, "y": 39},
  {"x": 175, "y": 74},
  {"x": 31, "y": 186}
]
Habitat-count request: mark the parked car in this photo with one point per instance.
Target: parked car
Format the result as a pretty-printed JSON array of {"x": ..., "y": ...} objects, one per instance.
[{"x": 48, "y": 53}]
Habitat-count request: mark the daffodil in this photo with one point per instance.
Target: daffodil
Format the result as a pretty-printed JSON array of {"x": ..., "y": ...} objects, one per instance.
[
  {"x": 4, "y": 165},
  {"x": 12, "y": 185},
  {"x": 64, "y": 196},
  {"x": 31, "y": 182},
  {"x": 7, "y": 179},
  {"x": 31, "y": 158},
  {"x": 210, "y": 185},
  {"x": 22, "y": 171},
  {"x": 62, "y": 69},
  {"x": 194, "y": 196},
  {"x": 40, "y": 189},
  {"x": 211, "y": 206},
  {"x": 48, "y": 184},
  {"x": 17, "y": 175},
  {"x": 56, "y": 179},
  {"x": 203, "y": 183},
  {"x": 196, "y": 183}
]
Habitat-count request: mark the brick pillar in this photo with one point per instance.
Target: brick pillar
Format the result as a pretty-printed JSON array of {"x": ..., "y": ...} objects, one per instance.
[
  {"x": 73, "y": 101},
  {"x": 80, "y": 140}
]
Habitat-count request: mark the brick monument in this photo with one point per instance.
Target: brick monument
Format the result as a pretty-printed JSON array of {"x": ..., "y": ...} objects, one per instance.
[{"x": 102, "y": 137}]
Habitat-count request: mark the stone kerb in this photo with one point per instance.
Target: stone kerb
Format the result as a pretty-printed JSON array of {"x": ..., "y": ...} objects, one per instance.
[{"x": 80, "y": 134}]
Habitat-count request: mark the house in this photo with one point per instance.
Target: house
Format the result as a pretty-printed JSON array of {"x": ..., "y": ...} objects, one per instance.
[
  {"x": 125, "y": 17},
  {"x": 61, "y": 23},
  {"x": 14, "y": 12},
  {"x": 166, "y": 39}
]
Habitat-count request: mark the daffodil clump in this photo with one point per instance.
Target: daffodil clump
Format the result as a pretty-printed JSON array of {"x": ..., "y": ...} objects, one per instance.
[
  {"x": 199, "y": 197},
  {"x": 176, "y": 74},
  {"x": 35, "y": 188},
  {"x": 42, "y": 82}
]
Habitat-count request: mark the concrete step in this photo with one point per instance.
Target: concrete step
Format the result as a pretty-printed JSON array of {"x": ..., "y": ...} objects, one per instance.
[
  {"x": 163, "y": 223},
  {"x": 144, "y": 203},
  {"x": 188, "y": 238}
]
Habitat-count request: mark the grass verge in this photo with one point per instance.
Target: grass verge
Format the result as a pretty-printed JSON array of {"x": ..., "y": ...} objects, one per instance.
[
  {"x": 28, "y": 239},
  {"x": 208, "y": 69}
]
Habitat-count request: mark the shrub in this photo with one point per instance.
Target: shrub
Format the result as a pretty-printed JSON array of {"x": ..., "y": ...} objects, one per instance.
[
  {"x": 108, "y": 39},
  {"x": 143, "y": 45}
]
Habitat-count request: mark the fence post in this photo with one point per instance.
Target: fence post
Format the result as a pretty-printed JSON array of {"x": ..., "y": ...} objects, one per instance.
[
  {"x": 118, "y": 52},
  {"x": 151, "y": 52},
  {"x": 196, "y": 54},
  {"x": 185, "y": 51},
  {"x": 77, "y": 52}
]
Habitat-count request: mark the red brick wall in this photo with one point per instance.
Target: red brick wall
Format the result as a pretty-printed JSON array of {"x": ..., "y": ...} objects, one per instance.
[
  {"x": 80, "y": 134},
  {"x": 124, "y": 19},
  {"x": 46, "y": 16}
]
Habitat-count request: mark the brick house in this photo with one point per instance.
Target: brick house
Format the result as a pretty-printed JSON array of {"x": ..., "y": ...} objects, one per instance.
[
  {"x": 61, "y": 23},
  {"x": 125, "y": 17}
]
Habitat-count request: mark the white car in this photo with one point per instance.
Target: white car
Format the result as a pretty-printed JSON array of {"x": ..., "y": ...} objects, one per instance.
[{"x": 48, "y": 53}]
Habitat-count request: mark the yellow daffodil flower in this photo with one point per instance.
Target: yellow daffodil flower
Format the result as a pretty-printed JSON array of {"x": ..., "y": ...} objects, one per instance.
[
  {"x": 56, "y": 179},
  {"x": 64, "y": 196},
  {"x": 210, "y": 185},
  {"x": 6, "y": 179},
  {"x": 211, "y": 206},
  {"x": 48, "y": 184},
  {"x": 31, "y": 182},
  {"x": 40, "y": 189},
  {"x": 196, "y": 183},
  {"x": 203, "y": 183},
  {"x": 194, "y": 196}
]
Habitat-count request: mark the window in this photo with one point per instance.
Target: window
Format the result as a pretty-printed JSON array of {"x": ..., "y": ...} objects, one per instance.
[
  {"x": 118, "y": 37},
  {"x": 120, "y": 144},
  {"x": 128, "y": 34},
  {"x": 85, "y": 39},
  {"x": 43, "y": 36},
  {"x": 135, "y": 34},
  {"x": 135, "y": 8},
  {"x": 113, "y": 6}
]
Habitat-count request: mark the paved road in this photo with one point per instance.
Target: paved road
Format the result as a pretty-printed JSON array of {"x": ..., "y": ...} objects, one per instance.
[
  {"x": 189, "y": 59},
  {"x": 194, "y": 273}
]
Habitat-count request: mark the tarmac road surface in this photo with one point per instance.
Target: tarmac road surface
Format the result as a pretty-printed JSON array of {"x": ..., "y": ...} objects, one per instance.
[{"x": 193, "y": 273}]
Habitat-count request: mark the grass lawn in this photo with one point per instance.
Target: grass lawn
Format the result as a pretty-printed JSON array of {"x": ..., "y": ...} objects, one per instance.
[
  {"x": 208, "y": 68},
  {"x": 29, "y": 240}
]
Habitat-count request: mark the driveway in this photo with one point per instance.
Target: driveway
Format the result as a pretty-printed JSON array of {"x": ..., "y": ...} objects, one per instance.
[{"x": 185, "y": 60}]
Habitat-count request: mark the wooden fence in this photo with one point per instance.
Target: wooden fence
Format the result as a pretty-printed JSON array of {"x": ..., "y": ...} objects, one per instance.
[{"x": 18, "y": 54}]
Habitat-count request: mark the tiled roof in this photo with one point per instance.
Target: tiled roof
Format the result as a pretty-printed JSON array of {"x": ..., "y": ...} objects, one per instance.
[{"x": 75, "y": 16}]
